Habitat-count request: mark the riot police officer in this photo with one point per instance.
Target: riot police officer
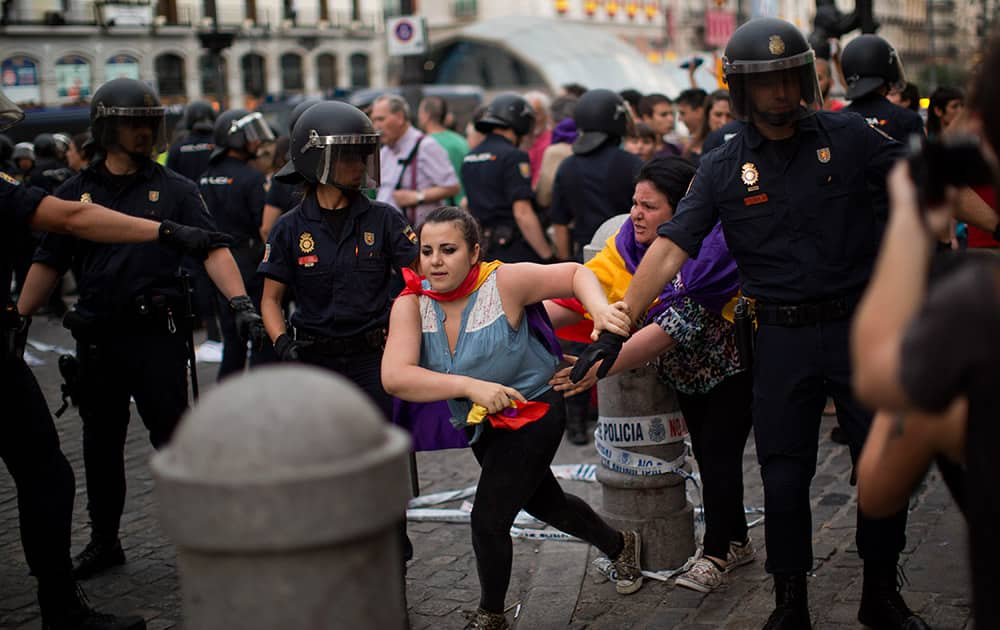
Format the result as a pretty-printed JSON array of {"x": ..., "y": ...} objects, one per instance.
[
  {"x": 235, "y": 192},
  {"x": 497, "y": 178},
  {"x": 189, "y": 155},
  {"x": 796, "y": 192},
  {"x": 29, "y": 444},
  {"x": 872, "y": 69},
  {"x": 50, "y": 169},
  {"x": 130, "y": 322},
  {"x": 595, "y": 183}
]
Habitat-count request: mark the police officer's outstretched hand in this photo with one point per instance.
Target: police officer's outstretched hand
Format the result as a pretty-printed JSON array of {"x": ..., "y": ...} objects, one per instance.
[
  {"x": 605, "y": 349},
  {"x": 248, "y": 322},
  {"x": 192, "y": 240},
  {"x": 289, "y": 349}
]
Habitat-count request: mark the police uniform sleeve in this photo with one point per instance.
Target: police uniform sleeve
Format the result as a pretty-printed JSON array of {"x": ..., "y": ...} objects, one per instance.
[
  {"x": 952, "y": 341},
  {"x": 696, "y": 213},
  {"x": 401, "y": 239},
  {"x": 277, "y": 263},
  {"x": 56, "y": 250},
  {"x": 18, "y": 202},
  {"x": 193, "y": 210},
  {"x": 517, "y": 177}
]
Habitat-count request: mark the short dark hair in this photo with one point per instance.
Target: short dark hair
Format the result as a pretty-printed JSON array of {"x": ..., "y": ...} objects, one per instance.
[
  {"x": 649, "y": 102},
  {"x": 632, "y": 97},
  {"x": 467, "y": 223},
  {"x": 645, "y": 132},
  {"x": 911, "y": 93},
  {"x": 562, "y": 107},
  {"x": 436, "y": 108},
  {"x": 671, "y": 175},
  {"x": 693, "y": 97},
  {"x": 574, "y": 89},
  {"x": 940, "y": 99}
]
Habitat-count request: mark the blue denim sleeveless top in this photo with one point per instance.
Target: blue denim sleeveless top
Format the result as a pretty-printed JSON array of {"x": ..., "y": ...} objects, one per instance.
[{"x": 487, "y": 349}]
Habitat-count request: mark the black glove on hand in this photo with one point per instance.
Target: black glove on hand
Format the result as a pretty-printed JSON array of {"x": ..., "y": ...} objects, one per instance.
[
  {"x": 607, "y": 347},
  {"x": 248, "y": 322},
  {"x": 192, "y": 240},
  {"x": 289, "y": 349}
]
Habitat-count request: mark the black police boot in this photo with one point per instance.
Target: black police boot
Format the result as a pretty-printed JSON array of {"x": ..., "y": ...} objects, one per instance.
[
  {"x": 99, "y": 555},
  {"x": 791, "y": 599},
  {"x": 66, "y": 608},
  {"x": 882, "y": 607},
  {"x": 576, "y": 418}
]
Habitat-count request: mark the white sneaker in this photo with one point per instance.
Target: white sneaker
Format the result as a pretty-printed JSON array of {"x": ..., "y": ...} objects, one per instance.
[
  {"x": 209, "y": 352},
  {"x": 703, "y": 576},
  {"x": 740, "y": 555}
]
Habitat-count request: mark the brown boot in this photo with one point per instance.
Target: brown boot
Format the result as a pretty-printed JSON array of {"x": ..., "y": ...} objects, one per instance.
[
  {"x": 629, "y": 575},
  {"x": 483, "y": 620}
]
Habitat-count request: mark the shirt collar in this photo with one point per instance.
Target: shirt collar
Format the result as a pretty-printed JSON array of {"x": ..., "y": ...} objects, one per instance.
[
  {"x": 753, "y": 138},
  {"x": 94, "y": 168},
  {"x": 312, "y": 211},
  {"x": 405, "y": 143}
]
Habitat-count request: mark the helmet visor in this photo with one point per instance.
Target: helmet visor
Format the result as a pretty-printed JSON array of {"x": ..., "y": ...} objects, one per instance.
[
  {"x": 900, "y": 83},
  {"x": 254, "y": 127},
  {"x": 346, "y": 161},
  {"x": 736, "y": 66},
  {"x": 10, "y": 114},
  {"x": 787, "y": 94}
]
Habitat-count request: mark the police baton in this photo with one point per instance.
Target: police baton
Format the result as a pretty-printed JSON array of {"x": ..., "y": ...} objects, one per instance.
[{"x": 185, "y": 280}]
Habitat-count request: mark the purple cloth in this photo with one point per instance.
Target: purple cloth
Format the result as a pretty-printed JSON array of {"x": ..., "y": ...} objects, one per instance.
[
  {"x": 565, "y": 131},
  {"x": 711, "y": 279}
]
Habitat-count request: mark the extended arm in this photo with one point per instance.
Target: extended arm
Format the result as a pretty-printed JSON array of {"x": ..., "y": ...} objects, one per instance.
[
  {"x": 222, "y": 269},
  {"x": 658, "y": 267}
]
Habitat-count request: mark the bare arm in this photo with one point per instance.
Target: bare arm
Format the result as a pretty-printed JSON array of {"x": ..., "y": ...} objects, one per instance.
[
  {"x": 661, "y": 263},
  {"x": 973, "y": 210},
  {"x": 560, "y": 315},
  {"x": 407, "y": 198},
  {"x": 38, "y": 285},
  {"x": 531, "y": 228},
  {"x": 642, "y": 347},
  {"x": 564, "y": 246},
  {"x": 268, "y": 219},
  {"x": 222, "y": 269},
  {"x": 270, "y": 308},
  {"x": 92, "y": 222}
]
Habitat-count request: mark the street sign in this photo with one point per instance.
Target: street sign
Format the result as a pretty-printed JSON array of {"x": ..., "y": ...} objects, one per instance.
[{"x": 407, "y": 35}]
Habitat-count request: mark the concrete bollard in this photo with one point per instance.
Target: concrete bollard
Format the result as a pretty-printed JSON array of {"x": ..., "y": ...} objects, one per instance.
[
  {"x": 283, "y": 491},
  {"x": 639, "y": 437}
]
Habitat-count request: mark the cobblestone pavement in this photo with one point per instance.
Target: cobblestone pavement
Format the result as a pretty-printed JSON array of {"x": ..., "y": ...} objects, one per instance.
[{"x": 555, "y": 581}]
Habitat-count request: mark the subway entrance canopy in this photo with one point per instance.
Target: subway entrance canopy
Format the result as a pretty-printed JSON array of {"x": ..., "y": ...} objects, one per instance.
[{"x": 520, "y": 53}]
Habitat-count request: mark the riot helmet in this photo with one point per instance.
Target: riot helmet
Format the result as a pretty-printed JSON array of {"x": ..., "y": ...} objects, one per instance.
[
  {"x": 122, "y": 107},
  {"x": 298, "y": 110},
  {"x": 45, "y": 145},
  {"x": 869, "y": 62},
  {"x": 23, "y": 151},
  {"x": 601, "y": 116},
  {"x": 199, "y": 116},
  {"x": 336, "y": 144},
  {"x": 768, "y": 51},
  {"x": 10, "y": 114},
  {"x": 236, "y": 129},
  {"x": 508, "y": 110}
]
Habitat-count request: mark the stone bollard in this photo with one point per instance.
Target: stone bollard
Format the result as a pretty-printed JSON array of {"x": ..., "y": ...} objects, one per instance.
[
  {"x": 639, "y": 437},
  {"x": 283, "y": 491}
]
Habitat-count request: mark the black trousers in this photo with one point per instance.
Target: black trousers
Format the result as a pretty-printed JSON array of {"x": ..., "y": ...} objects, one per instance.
[
  {"x": 719, "y": 423},
  {"x": 29, "y": 446},
  {"x": 795, "y": 369},
  {"x": 364, "y": 370},
  {"x": 234, "y": 347},
  {"x": 516, "y": 475},
  {"x": 150, "y": 367}
]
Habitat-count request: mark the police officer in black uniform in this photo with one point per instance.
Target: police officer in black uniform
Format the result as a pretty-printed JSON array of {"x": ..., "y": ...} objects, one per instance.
[
  {"x": 282, "y": 196},
  {"x": 595, "y": 183},
  {"x": 130, "y": 321},
  {"x": 50, "y": 171},
  {"x": 872, "y": 68},
  {"x": 29, "y": 444},
  {"x": 189, "y": 155},
  {"x": 235, "y": 192},
  {"x": 497, "y": 178},
  {"x": 797, "y": 194}
]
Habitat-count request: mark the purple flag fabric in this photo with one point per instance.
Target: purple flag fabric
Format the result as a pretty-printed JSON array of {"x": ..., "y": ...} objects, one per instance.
[{"x": 711, "y": 279}]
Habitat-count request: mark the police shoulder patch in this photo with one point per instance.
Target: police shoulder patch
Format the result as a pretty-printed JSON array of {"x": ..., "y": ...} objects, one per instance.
[
  {"x": 525, "y": 168},
  {"x": 267, "y": 252},
  {"x": 410, "y": 234},
  {"x": 10, "y": 180}
]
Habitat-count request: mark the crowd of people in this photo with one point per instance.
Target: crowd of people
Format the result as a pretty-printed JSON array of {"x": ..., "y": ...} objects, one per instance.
[{"x": 430, "y": 265}]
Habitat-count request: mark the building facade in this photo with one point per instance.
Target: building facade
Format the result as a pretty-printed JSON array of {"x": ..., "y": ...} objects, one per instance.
[{"x": 57, "y": 52}]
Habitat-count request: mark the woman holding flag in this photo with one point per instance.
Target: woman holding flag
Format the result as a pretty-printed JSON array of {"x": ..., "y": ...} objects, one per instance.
[
  {"x": 688, "y": 336},
  {"x": 473, "y": 333}
]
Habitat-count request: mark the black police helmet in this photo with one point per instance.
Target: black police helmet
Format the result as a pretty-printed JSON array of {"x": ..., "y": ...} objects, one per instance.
[
  {"x": 236, "y": 129},
  {"x": 300, "y": 109},
  {"x": 126, "y": 102},
  {"x": 600, "y": 115},
  {"x": 869, "y": 62},
  {"x": 45, "y": 145},
  {"x": 333, "y": 143},
  {"x": 199, "y": 116},
  {"x": 508, "y": 110},
  {"x": 10, "y": 114},
  {"x": 765, "y": 45}
]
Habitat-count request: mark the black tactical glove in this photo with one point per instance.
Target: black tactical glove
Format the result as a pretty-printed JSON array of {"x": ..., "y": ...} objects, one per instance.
[
  {"x": 192, "y": 240},
  {"x": 607, "y": 347},
  {"x": 289, "y": 349},
  {"x": 248, "y": 322}
]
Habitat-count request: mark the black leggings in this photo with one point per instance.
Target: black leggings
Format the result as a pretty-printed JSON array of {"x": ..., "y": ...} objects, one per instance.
[
  {"x": 516, "y": 475},
  {"x": 719, "y": 423}
]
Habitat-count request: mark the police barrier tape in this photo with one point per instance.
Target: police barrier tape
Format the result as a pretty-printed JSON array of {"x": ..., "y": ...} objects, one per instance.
[{"x": 665, "y": 428}]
